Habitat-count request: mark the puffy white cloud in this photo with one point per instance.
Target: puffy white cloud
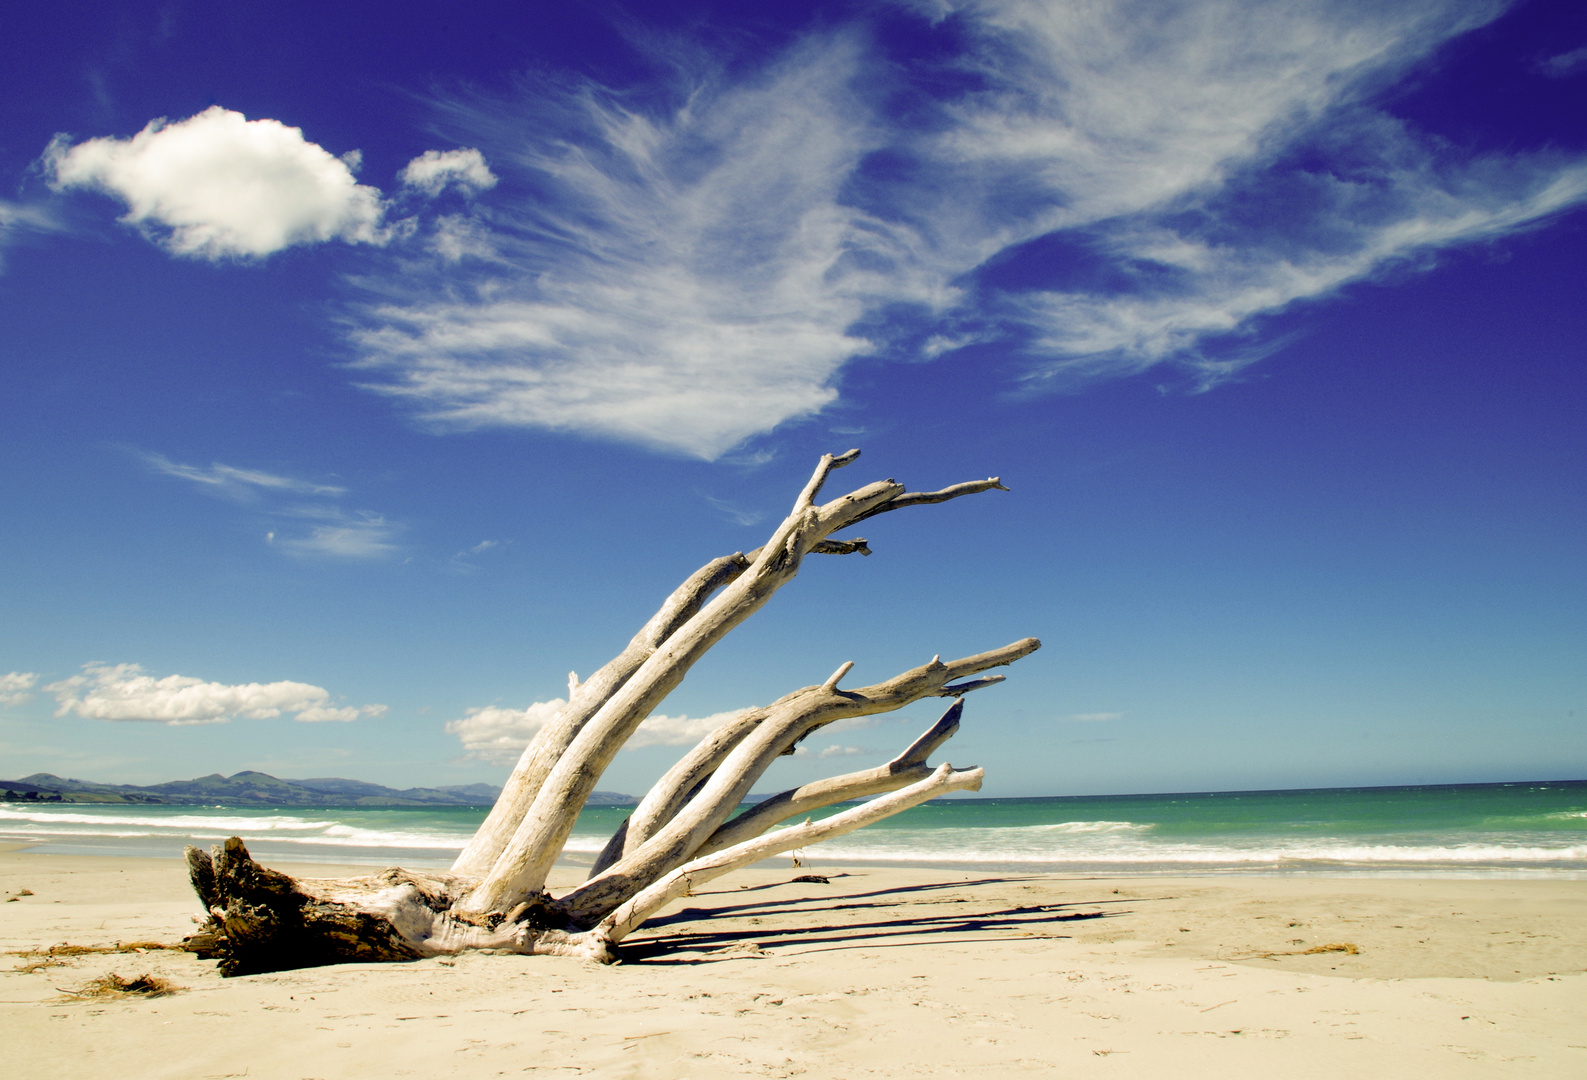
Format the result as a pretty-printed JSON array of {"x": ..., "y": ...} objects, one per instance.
[
  {"x": 319, "y": 714},
  {"x": 499, "y": 735},
  {"x": 435, "y": 170},
  {"x": 219, "y": 185},
  {"x": 15, "y": 687},
  {"x": 124, "y": 692},
  {"x": 678, "y": 730}
]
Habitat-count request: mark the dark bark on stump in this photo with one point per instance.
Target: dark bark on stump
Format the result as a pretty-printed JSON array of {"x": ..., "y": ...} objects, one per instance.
[{"x": 259, "y": 920}]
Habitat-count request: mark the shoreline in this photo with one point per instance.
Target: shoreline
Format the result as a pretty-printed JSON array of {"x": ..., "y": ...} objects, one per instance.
[
  {"x": 365, "y": 861},
  {"x": 883, "y": 972}
]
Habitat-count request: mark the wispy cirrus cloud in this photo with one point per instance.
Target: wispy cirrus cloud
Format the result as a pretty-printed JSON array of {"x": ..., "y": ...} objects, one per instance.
[
  {"x": 682, "y": 278},
  {"x": 298, "y": 526},
  {"x": 1104, "y": 188},
  {"x": 737, "y": 514},
  {"x": 19, "y": 220},
  {"x": 1565, "y": 64},
  {"x": 123, "y": 692},
  {"x": 236, "y": 482},
  {"x": 467, "y": 561},
  {"x": 357, "y": 535},
  {"x": 1192, "y": 167}
]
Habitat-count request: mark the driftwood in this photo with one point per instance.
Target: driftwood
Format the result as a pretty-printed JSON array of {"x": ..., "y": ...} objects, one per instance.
[{"x": 683, "y": 832}]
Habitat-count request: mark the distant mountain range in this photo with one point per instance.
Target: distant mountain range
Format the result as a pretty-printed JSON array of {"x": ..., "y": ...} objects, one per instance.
[{"x": 262, "y": 789}]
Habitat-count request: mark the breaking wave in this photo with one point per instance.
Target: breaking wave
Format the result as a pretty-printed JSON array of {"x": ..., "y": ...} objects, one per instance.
[{"x": 1482, "y": 829}]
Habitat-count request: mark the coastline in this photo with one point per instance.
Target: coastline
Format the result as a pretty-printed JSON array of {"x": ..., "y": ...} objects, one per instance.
[
  {"x": 884, "y": 971},
  {"x": 1520, "y": 830}
]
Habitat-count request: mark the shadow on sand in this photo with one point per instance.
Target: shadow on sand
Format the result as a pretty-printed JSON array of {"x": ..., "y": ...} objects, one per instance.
[{"x": 828, "y": 923}]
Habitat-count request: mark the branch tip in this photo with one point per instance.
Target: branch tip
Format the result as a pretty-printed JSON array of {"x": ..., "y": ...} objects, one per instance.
[
  {"x": 959, "y": 689},
  {"x": 828, "y": 462},
  {"x": 832, "y": 680}
]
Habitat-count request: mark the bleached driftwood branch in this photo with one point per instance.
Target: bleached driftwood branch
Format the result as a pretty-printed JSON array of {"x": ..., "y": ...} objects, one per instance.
[
  {"x": 520, "y": 870},
  {"x": 682, "y": 832},
  {"x": 787, "y": 721}
]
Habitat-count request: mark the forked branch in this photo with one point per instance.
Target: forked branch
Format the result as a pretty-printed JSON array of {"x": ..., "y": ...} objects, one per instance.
[
  {"x": 787, "y": 721},
  {"x": 547, "y": 798}
]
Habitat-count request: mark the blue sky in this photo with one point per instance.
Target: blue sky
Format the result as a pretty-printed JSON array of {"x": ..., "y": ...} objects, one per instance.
[{"x": 364, "y": 374}]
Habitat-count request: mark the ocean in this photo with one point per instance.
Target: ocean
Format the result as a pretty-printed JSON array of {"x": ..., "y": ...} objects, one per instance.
[{"x": 1533, "y": 829}]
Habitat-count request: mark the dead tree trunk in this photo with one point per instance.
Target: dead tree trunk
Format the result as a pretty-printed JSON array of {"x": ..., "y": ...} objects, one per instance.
[{"x": 682, "y": 834}]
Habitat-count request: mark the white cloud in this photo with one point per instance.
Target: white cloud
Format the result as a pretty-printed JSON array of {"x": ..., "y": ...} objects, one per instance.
[
  {"x": 15, "y": 687},
  {"x": 684, "y": 265},
  {"x": 1110, "y": 108},
  {"x": 1164, "y": 143},
  {"x": 843, "y": 751},
  {"x": 1226, "y": 285},
  {"x": 1565, "y": 64},
  {"x": 338, "y": 533},
  {"x": 435, "y": 170},
  {"x": 738, "y": 515},
  {"x": 122, "y": 692},
  {"x": 690, "y": 274},
  {"x": 456, "y": 237},
  {"x": 319, "y": 714},
  {"x": 235, "y": 481},
  {"x": 499, "y": 735},
  {"x": 1094, "y": 717},
  {"x": 677, "y": 730},
  {"x": 361, "y": 535},
  {"x": 20, "y": 219},
  {"x": 219, "y": 185},
  {"x": 682, "y": 280}
]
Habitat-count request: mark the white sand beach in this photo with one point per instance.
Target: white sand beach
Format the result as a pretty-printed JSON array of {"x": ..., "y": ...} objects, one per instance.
[{"x": 880, "y": 973}]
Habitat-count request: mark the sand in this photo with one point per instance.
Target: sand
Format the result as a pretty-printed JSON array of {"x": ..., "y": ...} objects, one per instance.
[{"x": 880, "y": 973}]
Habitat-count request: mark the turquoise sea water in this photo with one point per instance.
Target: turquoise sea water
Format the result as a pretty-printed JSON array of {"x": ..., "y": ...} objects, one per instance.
[{"x": 1520, "y": 829}]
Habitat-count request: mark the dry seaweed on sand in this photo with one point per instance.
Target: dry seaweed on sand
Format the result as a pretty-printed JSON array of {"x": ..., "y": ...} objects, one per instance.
[
  {"x": 54, "y": 955},
  {"x": 1337, "y": 947},
  {"x": 114, "y": 986}
]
